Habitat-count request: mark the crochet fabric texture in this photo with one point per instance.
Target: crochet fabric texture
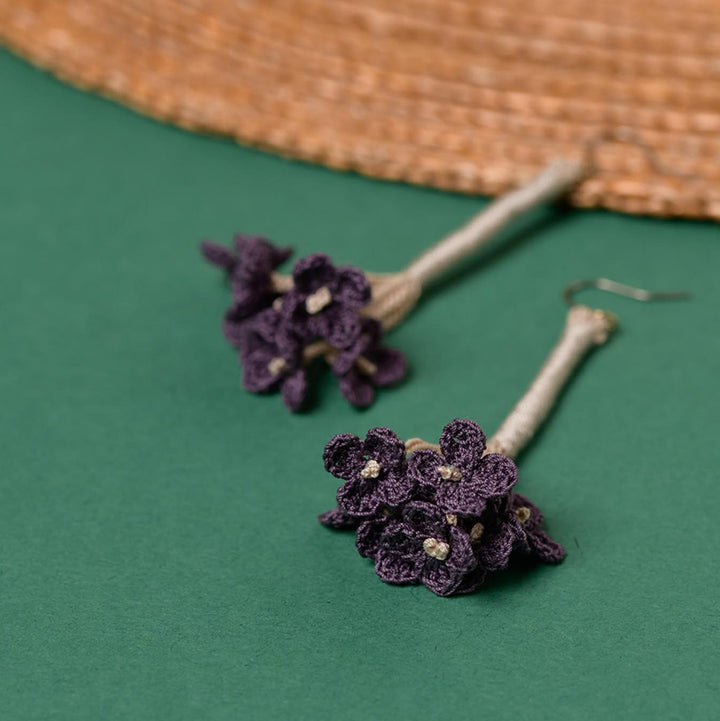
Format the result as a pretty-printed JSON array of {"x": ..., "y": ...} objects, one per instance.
[
  {"x": 445, "y": 520},
  {"x": 278, "y": 333}
]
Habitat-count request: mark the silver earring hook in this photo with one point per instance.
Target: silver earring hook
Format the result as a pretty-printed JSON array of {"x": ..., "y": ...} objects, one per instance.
[{"x": 629, "y": 291}]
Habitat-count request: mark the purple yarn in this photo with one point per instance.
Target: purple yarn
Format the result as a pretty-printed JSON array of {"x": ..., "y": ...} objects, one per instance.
[
  {"x": 271, "y": 329},
  {"x": 390, "y": 365},
  {"x": 539, "y": 544},
  {"x": 419, "y": 532},
  {"x": 374, "y": 470},
  {"x": 272, "y": 358},
  {"x": 475, "y": 479},
  {"x": 402, "y": 557},
  {"x": 249, "y": 269},
  {"x": 346, "y": 290}
]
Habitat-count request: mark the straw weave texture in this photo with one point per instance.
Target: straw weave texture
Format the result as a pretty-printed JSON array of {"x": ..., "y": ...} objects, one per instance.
[{"x": 457, "y": 94}]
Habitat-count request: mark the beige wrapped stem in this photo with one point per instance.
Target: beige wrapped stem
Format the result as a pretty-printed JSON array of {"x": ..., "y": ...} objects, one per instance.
[
  {"x": 585, "y": 328},
  {"x": 394, "y": 295}
]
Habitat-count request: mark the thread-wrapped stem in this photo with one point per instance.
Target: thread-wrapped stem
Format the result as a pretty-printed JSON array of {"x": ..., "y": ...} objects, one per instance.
[
  {"x": 585, "y": 328},
  {"x": 552, "y": 182},
  {"x": 394, "y": 295}
]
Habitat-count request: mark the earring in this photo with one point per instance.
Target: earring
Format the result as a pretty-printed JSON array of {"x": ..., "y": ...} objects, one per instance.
[
  {"x": 446, "y": 515},
  {"x": 279, "y": 324}
]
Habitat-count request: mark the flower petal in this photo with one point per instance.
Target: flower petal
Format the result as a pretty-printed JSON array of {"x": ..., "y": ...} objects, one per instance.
[
  {"x": 422, "y": 467},
  {"x": 360, "y": 497},
  {"x": 218, "y": 255},
  {"x": 424, "y": 519},
  {"x": 383, "y": 445},
  {"x": 338, "y": 325},
  {"x": 398, "y": 568},
  {"x": 343, "y": 456},
  {"x": 345, "y": 359},
  {"x": 496, "y": 475},
  {"x": 264, "y": 325},
  {"x": 460, "y": 497},
  {"x": 544, "y": 548},
  {"x": 294, "y": 389},
  {"x": 471, "y": 582},
  {"x": 440, "y": 578},
  {"x": 369, "y": 536},
  {"x": 495, "y": 547},
  {"x": 462, "y": 443},
  {"x": 257, "y": 376},
  {"x": 312, "y": 272},
  {"x": 357, "y": 389},
  {"x": 462, "y": 556},
  {"x": 338, "y": 520},
  {"x": 400, "y": 538},
  {"x": 536, "y": 517},
  {"x": 396, "y": 488},
  {"x": 391, "y": 366},
  {"x": 363, "y": 345},
  {"x": 352, "y": 288},
  {"x": 258, "y": 256}
]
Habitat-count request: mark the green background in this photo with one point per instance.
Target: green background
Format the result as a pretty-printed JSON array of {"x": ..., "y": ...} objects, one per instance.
[{"x": 160, "y": 556}]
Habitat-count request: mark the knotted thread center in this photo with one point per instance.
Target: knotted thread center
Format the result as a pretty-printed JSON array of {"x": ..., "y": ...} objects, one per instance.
[
  {"x": 436, "y": 549},
  {"x": 450, "y": 473},
  {"x": 371, "y": 470},
  {"x": 318, "y": 300}
]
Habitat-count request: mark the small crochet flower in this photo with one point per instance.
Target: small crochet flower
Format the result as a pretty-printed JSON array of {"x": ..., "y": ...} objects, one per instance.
[
  {"x": 495, "y": 534},
  {"x": 325, "y": 300},
  {"x": 374, "y": 471},
  {"x": 422, "y": 547},
  {"x": 366, "y": 365},
  {"x": 539, "y": 544},
  {"x": 318, "y": 308},
  {"x": 272, "y": 358},
  {"x": 462, "y": 480},
  {"x": 249, "y": 268}
]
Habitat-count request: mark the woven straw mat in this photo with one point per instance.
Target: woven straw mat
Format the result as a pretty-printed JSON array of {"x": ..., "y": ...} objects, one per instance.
[{"x": 458, "y": 94}]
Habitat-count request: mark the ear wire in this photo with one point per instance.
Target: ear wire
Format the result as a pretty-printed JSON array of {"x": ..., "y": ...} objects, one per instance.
[
  {"x": 585, "y": 329},
  {"x": 629, "y": 291}
]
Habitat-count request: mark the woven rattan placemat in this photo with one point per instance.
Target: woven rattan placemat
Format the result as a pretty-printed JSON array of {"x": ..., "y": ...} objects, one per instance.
[{"x": 457, "y": 94}]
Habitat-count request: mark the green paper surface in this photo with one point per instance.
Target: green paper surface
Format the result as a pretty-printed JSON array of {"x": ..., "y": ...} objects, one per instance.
[{"x": 160, "y": 556}]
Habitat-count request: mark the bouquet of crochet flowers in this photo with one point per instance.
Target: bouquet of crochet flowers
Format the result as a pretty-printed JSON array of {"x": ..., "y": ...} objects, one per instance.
[
  {"x": 446, "y": 515},
  {"x": 279, "y": 325},
  {"x": 444, "y": 518}
]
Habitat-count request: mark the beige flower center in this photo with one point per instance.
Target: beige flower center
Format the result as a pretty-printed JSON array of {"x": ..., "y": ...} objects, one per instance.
[
  {"x": 436, "y": 549},
  {"x": 450, "y": 473},
  {"x": 277, "y": 303},
  {"x": 371, "y": 470},
  {"x": 277, "y": 365},
  {"x": 476, "y": 532},
  {"x": 522, "y": 513},
  {"x": 451, "y": 518},
  {"x": 318, "y": 300}
]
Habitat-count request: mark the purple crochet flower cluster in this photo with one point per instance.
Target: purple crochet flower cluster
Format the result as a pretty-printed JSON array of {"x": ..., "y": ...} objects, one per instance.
[
  {"x": 444, "y": 520},
  {"x": 272, "y": 330}
]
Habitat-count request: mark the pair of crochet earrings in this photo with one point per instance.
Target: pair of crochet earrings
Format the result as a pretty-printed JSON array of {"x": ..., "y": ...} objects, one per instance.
[{"x": 444, "y": 515}]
